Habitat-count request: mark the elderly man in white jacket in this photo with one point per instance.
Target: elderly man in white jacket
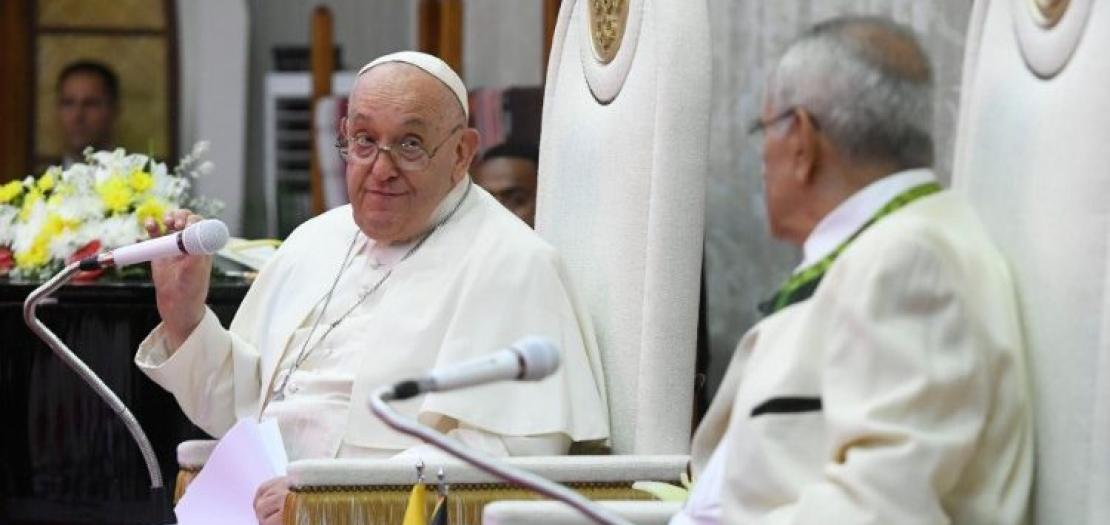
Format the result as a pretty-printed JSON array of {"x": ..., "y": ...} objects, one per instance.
[
  {"x": 422, "y": 269},
  {"x": 887, "y": 383}
]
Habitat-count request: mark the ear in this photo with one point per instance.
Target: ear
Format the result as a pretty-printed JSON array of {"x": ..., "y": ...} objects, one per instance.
[
  {"x": 807, "y": 147},
  {"x": 465, "y": 152},
  {"x": 341, "y": 127}
]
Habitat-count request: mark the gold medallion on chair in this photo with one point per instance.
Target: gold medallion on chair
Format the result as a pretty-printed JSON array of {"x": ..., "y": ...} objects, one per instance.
[
  {"x": 607, "y": 22},
  {"x": 1049, "y": 31},
  {"x": 1048, "y": 12}
]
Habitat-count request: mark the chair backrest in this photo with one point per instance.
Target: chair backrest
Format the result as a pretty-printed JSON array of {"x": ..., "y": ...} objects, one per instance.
[
  {"x": 623, "y": 159},
  {"x": 1033, "y": 154}
]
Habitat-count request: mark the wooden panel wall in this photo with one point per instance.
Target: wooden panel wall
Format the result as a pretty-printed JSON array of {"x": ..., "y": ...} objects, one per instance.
[
  {"x": 15, "y": 89},
  {"x": 441, "y": 31}
]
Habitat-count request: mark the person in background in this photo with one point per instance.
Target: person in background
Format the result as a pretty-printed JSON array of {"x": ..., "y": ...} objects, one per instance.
[
  {"x": 87, "y": 107},
  {"x": 508, "y": 172}
]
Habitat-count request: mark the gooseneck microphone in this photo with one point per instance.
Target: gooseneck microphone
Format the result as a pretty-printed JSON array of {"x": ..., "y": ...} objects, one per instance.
[
  {"x": 529, "y": 359},
  {"x": 203, "y": 238}
]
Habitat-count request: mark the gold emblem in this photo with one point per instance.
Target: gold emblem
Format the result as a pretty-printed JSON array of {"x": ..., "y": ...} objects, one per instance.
[
  {"x": 1049, "y": 12},
  {"x": 607, "y": 21}
]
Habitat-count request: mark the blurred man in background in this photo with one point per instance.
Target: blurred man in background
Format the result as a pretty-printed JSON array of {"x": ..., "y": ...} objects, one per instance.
[
  {"x": 508, "y": 172},
  {"x": 87, "y": 106}
]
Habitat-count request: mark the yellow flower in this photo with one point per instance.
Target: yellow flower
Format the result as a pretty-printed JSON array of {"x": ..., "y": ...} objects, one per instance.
[
  {"x": 47, "y": 181},
  {"x": 29, "y": 201},
  {"x": 37, "y": 255},
  {"x": 115, "y": 194},
  {"x": 141, "y": 181},
  {"x": 11, "y": 190},
  {"x": 151, "y": 208},
  {"x": 54, "y": 225}
]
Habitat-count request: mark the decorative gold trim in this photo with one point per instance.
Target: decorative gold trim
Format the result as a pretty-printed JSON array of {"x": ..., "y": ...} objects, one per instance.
[
  {"x": 385, "y": 505},
  {"x": 607, "y": 20},
  {"x": 185, "y": 476},
  {"x": 1048, "y": 13}
]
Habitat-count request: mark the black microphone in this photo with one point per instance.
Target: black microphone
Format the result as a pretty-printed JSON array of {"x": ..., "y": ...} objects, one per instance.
[
  {"x": 203, "y": 238},
  {"x": 529, "y": 359}
]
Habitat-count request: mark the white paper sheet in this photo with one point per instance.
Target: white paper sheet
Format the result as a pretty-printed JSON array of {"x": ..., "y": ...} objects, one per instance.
[{"x": 223, "y": 492}]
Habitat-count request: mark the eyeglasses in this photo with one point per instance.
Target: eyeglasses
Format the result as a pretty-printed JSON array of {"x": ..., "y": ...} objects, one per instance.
[
  {"x": 759, "y": 125},
  {"x": 408, "y": 155}
]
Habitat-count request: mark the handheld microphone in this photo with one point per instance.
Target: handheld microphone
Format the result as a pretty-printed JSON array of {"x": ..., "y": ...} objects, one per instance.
[
  {"x": 203, "y": 238},
  {"x": 529, "y": 359}
]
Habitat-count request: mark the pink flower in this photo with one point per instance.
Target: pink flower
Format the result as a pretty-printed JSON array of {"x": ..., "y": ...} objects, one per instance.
[{"x": 88, "y": 250}]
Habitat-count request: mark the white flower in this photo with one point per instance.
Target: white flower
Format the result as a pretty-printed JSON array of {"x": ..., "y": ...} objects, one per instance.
[
  {"x": 108, "y": 158},
  {"x": 26, "y": 232},
  {"x": 63, "y": 245},
  {"x": 81, "y": 176},
  {"x": 81, "y": 207},
  {"x": 133, "y": 162},
  {"x": 117, "y": 231},
  {"x": 158, "y": 169},
  {"x": 8, "y": 215}
]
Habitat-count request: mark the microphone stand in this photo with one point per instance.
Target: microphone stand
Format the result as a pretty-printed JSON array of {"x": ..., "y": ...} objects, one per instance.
[
  {"x": 162, "y": 510},
  {"x": 513, "y": 475}
]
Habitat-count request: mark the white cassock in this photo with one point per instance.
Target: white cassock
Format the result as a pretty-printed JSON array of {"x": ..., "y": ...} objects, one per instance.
[
  {"x": 897, "y": 393},
  {"x": 478, "y": 283}
]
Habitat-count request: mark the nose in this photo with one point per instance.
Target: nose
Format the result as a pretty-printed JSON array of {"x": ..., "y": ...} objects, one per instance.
[{"x": 383, "y": 167}]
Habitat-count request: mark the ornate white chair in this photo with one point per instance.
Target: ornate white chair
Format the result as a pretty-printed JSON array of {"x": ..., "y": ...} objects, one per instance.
[{"x": 1032, "y": 155}]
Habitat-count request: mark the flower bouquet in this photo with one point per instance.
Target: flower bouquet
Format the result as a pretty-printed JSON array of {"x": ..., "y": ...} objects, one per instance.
[{"x": 100, "y": 204}]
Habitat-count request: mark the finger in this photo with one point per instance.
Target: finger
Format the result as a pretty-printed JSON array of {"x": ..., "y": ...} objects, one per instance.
[
  {"x": 275, "y": 519},
  {"x": 193, "y": 219},
  {"x": 268, "y": 486},
  {"x": 178, "y": 219},
  {"x": 273, "y": 506},
  {"x": 261, "y": 493},
  {"x": 170, "y": 220},
  {"x": 264, "y": 506},
  {"x": 151, "y": 227}
]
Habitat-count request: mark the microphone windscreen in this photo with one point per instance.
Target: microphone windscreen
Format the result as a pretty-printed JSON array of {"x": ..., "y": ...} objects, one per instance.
[
  {"x": 205, "y": 237},
  {"x": 540, "y": 357}
]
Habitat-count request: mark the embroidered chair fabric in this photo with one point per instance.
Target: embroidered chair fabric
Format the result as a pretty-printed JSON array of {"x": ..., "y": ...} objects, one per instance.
[{"x": 1032, "y": 155}]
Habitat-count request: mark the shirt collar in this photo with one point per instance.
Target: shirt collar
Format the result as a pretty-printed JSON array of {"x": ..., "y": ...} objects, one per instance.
[{"x": 849, "y": 216}]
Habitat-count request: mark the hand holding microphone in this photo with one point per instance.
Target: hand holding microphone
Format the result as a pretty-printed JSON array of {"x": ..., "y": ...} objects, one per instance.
[{"x": 180, "y": 281}]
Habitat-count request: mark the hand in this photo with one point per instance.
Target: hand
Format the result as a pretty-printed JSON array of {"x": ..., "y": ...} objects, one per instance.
[
  {"x": 180, "y": 282},
  {"x": 269, "y": 501}
]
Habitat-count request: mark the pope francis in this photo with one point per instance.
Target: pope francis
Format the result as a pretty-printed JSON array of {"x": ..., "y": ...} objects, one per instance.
[{"x": 422, "y": 269}]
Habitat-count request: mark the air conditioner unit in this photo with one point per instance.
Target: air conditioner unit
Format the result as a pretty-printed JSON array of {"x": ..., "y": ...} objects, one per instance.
[{"x": 288, "y": 147}]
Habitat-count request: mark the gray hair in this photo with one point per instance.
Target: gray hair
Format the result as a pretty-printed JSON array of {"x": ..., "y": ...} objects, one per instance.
[{"x": 868, "y": 85}]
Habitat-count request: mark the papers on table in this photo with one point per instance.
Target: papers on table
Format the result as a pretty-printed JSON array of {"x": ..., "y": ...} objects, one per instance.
[
  {"x": 223, "y": 492},
  {"x": 251, "y": 254}
]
